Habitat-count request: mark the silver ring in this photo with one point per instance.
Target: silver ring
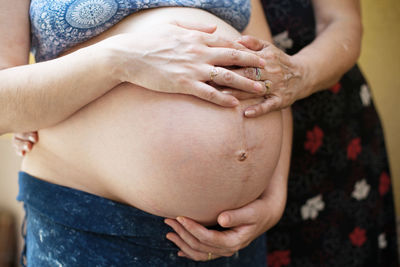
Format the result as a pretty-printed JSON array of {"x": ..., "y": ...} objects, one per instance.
[{"x": 258, "y": 74}]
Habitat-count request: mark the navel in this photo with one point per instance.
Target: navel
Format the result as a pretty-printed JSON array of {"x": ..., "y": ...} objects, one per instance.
[{"x": 242, "y": 155}]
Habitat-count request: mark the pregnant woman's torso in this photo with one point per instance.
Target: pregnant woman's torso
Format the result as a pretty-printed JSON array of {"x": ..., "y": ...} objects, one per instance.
[{"x": 166, "y": 154}]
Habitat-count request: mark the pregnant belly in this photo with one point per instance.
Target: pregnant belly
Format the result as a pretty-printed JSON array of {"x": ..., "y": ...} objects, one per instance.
[{"x": 166, "y": 154}]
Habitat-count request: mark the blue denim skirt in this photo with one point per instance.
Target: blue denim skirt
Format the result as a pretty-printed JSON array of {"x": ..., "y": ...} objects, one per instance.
[{"x": 68, "y": 227}]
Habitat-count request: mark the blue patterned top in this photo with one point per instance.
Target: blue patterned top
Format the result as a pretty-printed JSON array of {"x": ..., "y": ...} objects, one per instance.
[{"x": 58, "y": 25}]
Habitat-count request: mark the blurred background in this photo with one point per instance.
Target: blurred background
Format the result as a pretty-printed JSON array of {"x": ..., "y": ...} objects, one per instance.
[{"x": 380, "y": 62}]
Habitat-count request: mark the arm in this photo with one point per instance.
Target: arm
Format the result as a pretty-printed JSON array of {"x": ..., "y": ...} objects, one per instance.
[
  {"x": 40, "y": 95},
  {"x": 337, "y": 46},
  {"x": 317, "y": 66}
]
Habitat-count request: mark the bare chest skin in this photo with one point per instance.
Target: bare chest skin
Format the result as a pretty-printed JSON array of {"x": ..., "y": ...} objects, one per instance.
[{"x": 166, "y": 154}]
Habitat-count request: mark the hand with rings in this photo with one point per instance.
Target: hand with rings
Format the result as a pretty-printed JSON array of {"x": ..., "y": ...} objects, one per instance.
[
  {"x": 267, "y": 83},
  {"x": 198, "y": 57},
  {"x": 282, "y": 78}
]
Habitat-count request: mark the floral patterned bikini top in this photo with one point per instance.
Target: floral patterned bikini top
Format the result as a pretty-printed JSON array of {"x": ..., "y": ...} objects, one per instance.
[{"x": 57, "y": 25}]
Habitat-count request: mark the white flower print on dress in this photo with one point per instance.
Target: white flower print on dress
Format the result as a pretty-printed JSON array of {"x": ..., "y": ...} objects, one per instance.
[
  {"x": 312, "y": 207},
  {"x": 365, "y": 95},
  {"x": 282, "y": 41},
  {"x": 382, "y": 243},
  {"x": 361, "y": 190}
]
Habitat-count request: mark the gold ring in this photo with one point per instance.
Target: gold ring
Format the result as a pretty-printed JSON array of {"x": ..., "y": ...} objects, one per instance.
[
  {"x": 258, "y": 74},
  {"x": 209, "y": 256},
  {"x": 268, "y": 85},
  {"x": 213, "y": 73}
]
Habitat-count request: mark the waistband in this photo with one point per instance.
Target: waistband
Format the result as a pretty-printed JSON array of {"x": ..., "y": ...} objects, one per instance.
[{"x": 84, "y": 211}]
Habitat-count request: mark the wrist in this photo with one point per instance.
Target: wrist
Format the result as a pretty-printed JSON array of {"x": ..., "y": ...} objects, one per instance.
[
  {"x": 100, "y": 64},
  {"x": 307, "y": 83},
  {"x": 114, "y": 60}
]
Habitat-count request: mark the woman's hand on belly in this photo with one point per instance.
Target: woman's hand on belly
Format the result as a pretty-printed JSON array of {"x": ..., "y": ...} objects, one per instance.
[
  {"x": 243, "y": 226},
  {"x": 182, "y": 58}
]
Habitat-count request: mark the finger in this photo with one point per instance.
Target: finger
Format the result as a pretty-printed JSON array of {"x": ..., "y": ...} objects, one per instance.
[
  {"x": 239, "y": 94},
  {"x": 212, "y": 40},
  {"x": 213, "y": 238},
  {"x": 208, "y": 28},
  {"x": 28, "y": 136},
  {"x": 187, "y": 250},
  {"x": 256, "y": 74},
  {"x": 210, "y": 94},
  {"x": 228, "y": 78},
  {"x": 233, "y": 57},
  {"x": 21, "y": 147},
  {"x": 242, "y": 216},
  {"x": 253, "y": 43},
  {"x": 193, "y": 242},
  {"x": 182, "y": 254},
  {"x": 271, "y": 104},
  {"x": 186, "y": 236}
]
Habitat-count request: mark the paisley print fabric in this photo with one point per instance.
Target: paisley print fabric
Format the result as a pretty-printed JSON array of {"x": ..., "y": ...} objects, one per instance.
[
  {"x": 340, "y": 203},
  {"x": 58, "y": 25}
]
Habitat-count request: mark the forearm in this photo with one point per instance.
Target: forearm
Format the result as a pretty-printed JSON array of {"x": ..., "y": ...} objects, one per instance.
[
  {"x": 336, "y": 48},
  {"x": 40, "y": 95},
  {"x": 273, "y": 199},
  {"x": 279, "y": 179}
]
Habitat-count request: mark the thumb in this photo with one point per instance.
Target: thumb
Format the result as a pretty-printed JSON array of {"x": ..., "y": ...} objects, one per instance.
[
  {"x": 252, "y": 43},
  {"x": 237, "y": 217},
  {"x": 207, "y": 28}
]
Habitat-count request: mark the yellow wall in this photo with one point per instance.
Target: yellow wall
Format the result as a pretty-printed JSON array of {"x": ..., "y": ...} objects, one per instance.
[{"x": 380, "y": 61}]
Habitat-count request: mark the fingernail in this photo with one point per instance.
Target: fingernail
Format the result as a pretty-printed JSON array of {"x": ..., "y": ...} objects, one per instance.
[
  {"x": 180, "y": 219},
  {"x": 30, "y": 138},
  {"x": 20, "y": 153},
  {"x": 224, "y": 221},
  {"x": 26, "y": 147},
  {"x": 250, "y": 112},
  {"x": 227, "y": 92},
  {"x": 262, "y": 62},
  {"x": 260, "y": 88},
  {"x": 235, "y": 102}
]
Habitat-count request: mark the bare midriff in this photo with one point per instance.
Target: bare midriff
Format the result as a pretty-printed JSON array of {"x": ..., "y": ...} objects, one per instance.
[{"x": 167, "y": 154}]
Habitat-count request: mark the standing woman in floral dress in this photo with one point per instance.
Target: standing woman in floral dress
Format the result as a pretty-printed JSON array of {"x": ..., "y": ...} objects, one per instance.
[{"x": 340, "y": 204}]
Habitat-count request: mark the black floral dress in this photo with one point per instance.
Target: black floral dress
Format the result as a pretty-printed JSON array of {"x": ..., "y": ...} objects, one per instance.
[{"x": 340, "y": 204}]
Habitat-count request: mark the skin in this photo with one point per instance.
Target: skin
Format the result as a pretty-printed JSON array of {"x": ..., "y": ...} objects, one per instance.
[
  {"x": 210, "y": 57},
  {"x": 339, "y": 33}
]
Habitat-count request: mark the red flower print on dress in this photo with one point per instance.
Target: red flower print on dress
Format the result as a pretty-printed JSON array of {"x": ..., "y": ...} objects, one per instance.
[
  {"x": 357, "y": 237},
  {"x": 314, "y": 139},
  {"x": 354, "y": 148},
  {"x": 384, "y": 183},
  {"x": 336, "y": 88},
  {"x": 279, "y": 258}
]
